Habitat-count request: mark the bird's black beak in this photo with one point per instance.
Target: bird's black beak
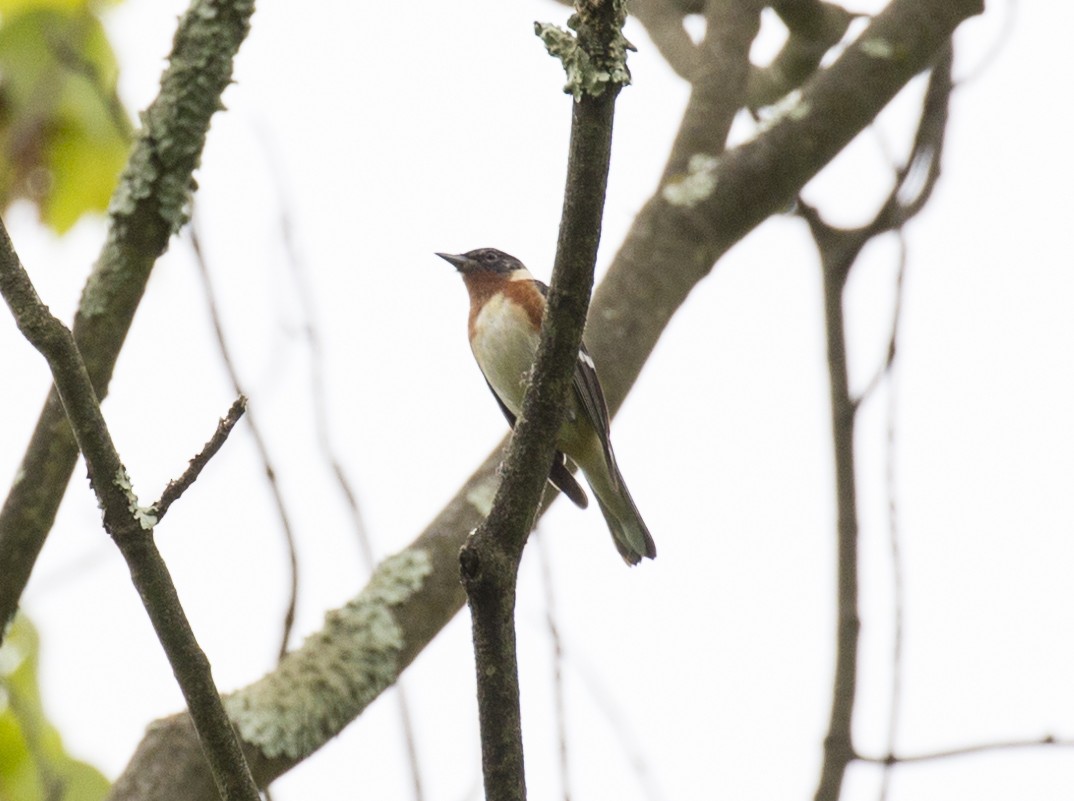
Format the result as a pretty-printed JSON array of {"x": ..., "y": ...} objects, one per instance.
[{"x": 458, "y": 261}]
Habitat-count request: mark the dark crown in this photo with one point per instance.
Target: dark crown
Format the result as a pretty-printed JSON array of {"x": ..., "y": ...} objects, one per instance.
[{"x": 493, "y": 260}]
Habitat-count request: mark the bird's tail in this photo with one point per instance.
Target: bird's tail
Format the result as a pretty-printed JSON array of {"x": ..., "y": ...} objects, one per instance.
[{"x": 629, "y": 532}]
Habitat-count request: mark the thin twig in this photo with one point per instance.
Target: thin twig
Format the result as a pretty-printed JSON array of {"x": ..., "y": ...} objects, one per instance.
[
  {"x": 622, "y": 730},
  {"x": 321, "y": 421},
  {"x": 258, "y": 437},
  {"x": 129, "y": 525},
  {"x": 558, "y": 686},
  {"x": 318, "y": 384},
  {"x": 886, "y": 367},
  {"x": 966, "y": 750},
  {"x": 898, "y": 584},
  {"x": 176, "y": 488}
]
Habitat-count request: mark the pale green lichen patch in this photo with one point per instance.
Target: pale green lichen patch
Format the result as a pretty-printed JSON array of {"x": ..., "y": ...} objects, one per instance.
[
  {"x": 136, "y": 183},
  {"x": 877, "y": 48},
  {"x": 584, "y": 75},
  {"x": 482, "y": 494},
  {"x": 321, "y": 687},
  {"x": 145, "y": 517},
  {"x": 792, "y": 106},
  {"x": 696, "y": 185}
]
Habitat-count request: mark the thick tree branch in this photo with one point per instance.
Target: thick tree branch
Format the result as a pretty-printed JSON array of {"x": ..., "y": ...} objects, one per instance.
[
  {"x": 663, "y": 21},
  {"x": 669, "y": 249},
  {"x": 813, "y": 28},
  {"x": 149, "y": 205},
  {"x": 129, "y": 525}
]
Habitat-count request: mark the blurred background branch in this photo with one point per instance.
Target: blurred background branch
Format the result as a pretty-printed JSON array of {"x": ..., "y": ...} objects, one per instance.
[{"x": 148, "y": 206}]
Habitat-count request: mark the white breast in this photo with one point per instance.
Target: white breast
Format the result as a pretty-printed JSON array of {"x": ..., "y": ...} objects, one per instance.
[{"x": 504, "y": 345}]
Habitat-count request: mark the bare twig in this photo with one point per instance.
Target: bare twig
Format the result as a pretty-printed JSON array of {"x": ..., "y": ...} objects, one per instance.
[
  {"x": 627, "y": 739},
  {"x": 318, "y": 385},
  {"x": 898, "y": 585},
  {"x": 148, "y": 206},
  {"x": 258, "y": 437},
  {"x": 321, "y": 420},
  {"x": 1047, "y": 741},
  {"x": 129, "y": 525},
  {"x": 884, "y": 371},
  {"x": 176, "y": 488},
  {"x": 558, "y": 687}
]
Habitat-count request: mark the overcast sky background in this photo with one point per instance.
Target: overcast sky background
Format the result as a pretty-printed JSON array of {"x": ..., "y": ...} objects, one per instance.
[{"x": 387, "y": 135}]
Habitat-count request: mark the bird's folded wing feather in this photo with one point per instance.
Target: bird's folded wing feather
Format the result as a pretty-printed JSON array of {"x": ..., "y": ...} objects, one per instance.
[{"x": 560, "y": 477}]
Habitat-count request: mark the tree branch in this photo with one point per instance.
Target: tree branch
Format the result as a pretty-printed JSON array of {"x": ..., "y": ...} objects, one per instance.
[
  {"x": 813, "y": 28},
  {"x": 839, "y": 250},
  {"x": 129, "y": 525},
  {"x": 149, "y": 205},
  {"x": 838, "y": 745},
  {"x": 668, "y": 250},
  {"x": 175, "y": 489},
  {"x": 490, "y": 557},
  {"x": 260, "y": 444},
  {"x": 892, "y": 759}
]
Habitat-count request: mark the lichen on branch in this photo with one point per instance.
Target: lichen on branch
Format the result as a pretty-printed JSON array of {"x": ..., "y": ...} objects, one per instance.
[{"x": 594, "y": 58}]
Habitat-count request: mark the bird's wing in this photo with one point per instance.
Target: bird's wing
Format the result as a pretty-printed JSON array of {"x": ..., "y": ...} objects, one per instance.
[
  {"x": 559, "y": 476},
  {"x": 591, "y": 397}
]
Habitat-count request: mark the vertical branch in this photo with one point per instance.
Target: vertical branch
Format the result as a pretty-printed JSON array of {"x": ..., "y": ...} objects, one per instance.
[
  {"x": 325, "y": 439},
  {"x": 839, "y": 249},
  {"x": 897, "y": 583},
  {"x": 558, "y": 687},
  {"x": 491, "y": 557},
  {"x": 596, "y": 69},
  {"x": 838, "y": 746},
  {"x": 130, "y": 526},
  {"x": 259, "y": 441}
]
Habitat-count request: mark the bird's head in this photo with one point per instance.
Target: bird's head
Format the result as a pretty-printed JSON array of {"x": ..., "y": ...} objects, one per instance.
[{"x": 483, "y": 260}]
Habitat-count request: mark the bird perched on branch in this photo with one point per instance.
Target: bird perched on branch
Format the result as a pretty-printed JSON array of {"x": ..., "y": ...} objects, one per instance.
[{"x": 506, "y": 308}]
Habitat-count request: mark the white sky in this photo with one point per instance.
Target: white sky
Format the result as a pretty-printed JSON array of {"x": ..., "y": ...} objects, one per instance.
[{"x": 432, "y": 126}]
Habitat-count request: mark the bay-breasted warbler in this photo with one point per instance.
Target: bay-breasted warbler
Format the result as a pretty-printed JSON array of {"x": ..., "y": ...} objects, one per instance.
[{"x": 506, "y": 308}]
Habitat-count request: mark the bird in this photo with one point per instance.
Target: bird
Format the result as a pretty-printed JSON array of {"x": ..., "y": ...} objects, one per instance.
[{"x": 506, "y": 308}]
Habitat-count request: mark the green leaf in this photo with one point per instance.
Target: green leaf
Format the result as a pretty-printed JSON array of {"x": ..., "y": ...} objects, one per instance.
[
  {"x": 19, "y": 6},
  {"x": 64, "y": 135},
  {"x": 33, "y": 762}
]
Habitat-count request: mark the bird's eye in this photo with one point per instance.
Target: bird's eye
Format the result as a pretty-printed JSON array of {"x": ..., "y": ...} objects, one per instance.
[{"x": 489, "y": 256}]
